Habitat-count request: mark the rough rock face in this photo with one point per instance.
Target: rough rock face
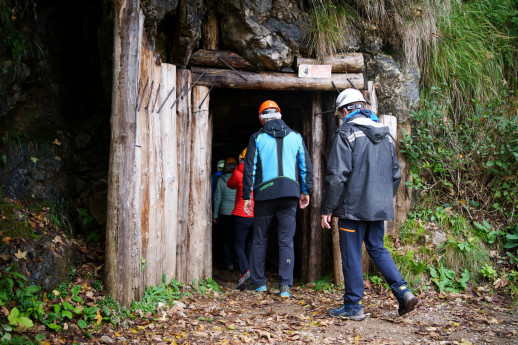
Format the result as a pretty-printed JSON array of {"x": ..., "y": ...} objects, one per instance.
[
  {"x": 187, "y": 31},
  {"x": 399, "y": 94},
  {"x": 267, "y": 33}
]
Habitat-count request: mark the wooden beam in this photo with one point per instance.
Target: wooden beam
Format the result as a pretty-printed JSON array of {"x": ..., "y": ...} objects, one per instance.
[
  {"x": 342, "y": 63},
  {"x": 123, "y": 243},
  {"x": 212, "y": 58},
  {"x": 275, "y": 81},
  {"x": 199, "y": 226},
  {"x": 209, "y": 31},
  {"x": 313, "y": 268},
  {"x": 183, "y": 119}
]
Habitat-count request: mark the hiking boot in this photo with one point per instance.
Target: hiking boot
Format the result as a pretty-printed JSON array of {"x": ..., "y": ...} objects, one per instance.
[
  {"x": 261, "y": 288},
  {"x": 244, "y": 278},
  {"x": 407, "y": 303},
  {"x": 285, "y": 291},
  {"x": 348, "y": 311}
]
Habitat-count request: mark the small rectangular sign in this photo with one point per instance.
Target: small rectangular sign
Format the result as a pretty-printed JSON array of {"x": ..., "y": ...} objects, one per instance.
[{"x": 314, "y": 71}]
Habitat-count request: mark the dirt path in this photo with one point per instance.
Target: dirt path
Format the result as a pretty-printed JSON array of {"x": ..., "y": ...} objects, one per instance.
[{"x": 235, "y": 317}]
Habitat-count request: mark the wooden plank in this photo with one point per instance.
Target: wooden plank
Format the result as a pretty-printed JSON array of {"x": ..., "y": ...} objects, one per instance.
[
  {"x": 183, "y": 144},
  {"x": 199, "y": 207},
  {"x": 275, "y": 81},
  {"x": 371, "y": 96},
  {"x": 209, "y": 31},
  {"x": 341, "y": 63},
  {"x": 211, "y": 58},
  {"x": 391, "y": 122},
  {"x": 404, "y": 193},
  {"x": 123, "y": 242},
  {"x": 338, "y": 274},
  {"x": 317, "y": 150},
  {"x": 169, "y": 186}
]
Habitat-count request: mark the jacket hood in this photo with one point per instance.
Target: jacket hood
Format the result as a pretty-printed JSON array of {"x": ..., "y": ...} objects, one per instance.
[
  {"x": 376, "y": 132},
  {"x": 276, "y": 128}
]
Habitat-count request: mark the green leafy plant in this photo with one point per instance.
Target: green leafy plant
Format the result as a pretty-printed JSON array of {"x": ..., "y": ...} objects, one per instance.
[
  {"x": 511, "y": 240},
  {"x": 488, "y": 272},
  {"x": 324, "y": 283},
  {"x": 87, "y": 218},
  {"x": 446, "y": 281}
]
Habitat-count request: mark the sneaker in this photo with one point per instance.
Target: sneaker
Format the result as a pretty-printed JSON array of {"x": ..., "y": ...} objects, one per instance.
[
  {"x": 261, "y": 288},
  {"x": 348, "y": 311},
  {"x": 407, "y": 303},
  {"x": 285, "y": 291},
  {"x": 243, "y": 280}
]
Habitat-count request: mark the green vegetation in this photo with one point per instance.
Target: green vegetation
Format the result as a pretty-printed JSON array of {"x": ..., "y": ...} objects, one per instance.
[
  {"x": 16, "y": 43},
  {"x": 474, "y": 59},
  {"x": 330, "y": 20},
  {"x": 87, "y": 306}
]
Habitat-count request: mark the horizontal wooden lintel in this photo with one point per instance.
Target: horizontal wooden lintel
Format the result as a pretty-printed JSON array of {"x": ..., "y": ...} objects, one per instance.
[{"x": 274, "y": 80}]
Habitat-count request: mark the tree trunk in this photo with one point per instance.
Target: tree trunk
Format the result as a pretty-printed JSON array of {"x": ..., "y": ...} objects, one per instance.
[
  {"x": 123, "y": 242},
  {"x": 143, "y": 183},
  {"x": 312, "y": 266},
  {"x": 338, "y": 273},
  {"x": 199, "y": 228},
  {"x": 275, "y": 81},
  {"x": 183, "y": 118},
  {"x": 211, "y": 58},
  {"x": 342, "y": 63}
]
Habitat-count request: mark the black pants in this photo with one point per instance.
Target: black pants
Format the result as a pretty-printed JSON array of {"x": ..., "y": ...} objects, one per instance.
[
  {"x": 284, "y": 210},
  {"x": 243, "y": 234},
  {"x": 226, "y": 226}
]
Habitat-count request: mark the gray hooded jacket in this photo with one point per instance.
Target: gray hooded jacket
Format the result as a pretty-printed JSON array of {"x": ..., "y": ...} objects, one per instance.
[{"x": 362, "y": 173}]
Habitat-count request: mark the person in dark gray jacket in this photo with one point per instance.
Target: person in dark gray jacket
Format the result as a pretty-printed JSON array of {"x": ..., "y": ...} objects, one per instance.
[{"x": 361, "y": 180}]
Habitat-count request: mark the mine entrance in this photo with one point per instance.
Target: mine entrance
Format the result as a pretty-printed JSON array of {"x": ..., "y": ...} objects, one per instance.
[{"x": 234, "y": 119}]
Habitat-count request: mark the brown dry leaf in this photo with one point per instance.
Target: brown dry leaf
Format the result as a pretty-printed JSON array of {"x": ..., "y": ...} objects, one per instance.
[
  {"x": 59, "y": 240},
  {"x": 32, "y": 225},
  {"x": 5, "y": 257},
  {"x": 7, "y": 240},
  {"x": 57, "y": 142},
  {"x": 20, "y": 254}
]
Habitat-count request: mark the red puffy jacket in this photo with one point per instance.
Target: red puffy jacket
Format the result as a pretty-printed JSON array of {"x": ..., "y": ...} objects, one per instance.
[{"x": 236, "y": 182}]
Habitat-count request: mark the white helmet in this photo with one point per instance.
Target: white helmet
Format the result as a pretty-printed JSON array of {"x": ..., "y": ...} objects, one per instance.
[{"x": 348, "y": 96}]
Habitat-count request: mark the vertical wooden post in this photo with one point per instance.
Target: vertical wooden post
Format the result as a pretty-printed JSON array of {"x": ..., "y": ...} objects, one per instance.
[
  {"x": 404, "y": 193},
  {"x": 391, "y": 122},
  {"x": 123, "y": 242},
  {"x": 312, "y": 234},
  {"x": 143, "y": 184},
  {"x": 183, "y": 130},
  {"x": 209, "y": 31},
  {"x": 170, "y": 181},
  {"x": 338, "y": 274},
  {"x": 199, "y": 198}
]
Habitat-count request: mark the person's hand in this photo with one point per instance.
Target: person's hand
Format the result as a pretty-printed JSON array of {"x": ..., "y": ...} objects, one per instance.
[
  {"x": 326, "y": 220},
  {"x": 304, "y": 201},
  {"x": 215, "y": 220},
  {"x": 249, "y": 207}
]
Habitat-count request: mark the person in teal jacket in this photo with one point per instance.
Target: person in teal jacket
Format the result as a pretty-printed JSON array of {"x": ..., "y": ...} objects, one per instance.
[{"x": 224, "y": 199}]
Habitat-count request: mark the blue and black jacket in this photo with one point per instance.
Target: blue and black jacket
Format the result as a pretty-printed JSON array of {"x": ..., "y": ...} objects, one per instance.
[{"x": 277, "y": 164}]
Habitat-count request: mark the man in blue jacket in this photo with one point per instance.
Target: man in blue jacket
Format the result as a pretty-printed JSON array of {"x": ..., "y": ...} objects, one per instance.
[
  {"x": 361, "y": 180},
  {"x": 278, "y": 169}
]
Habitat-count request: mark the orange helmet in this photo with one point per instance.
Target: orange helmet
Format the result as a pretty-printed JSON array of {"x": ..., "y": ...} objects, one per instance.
[
  {"x": 267, "y": 105},
  {"x": 230, "y": 160}
]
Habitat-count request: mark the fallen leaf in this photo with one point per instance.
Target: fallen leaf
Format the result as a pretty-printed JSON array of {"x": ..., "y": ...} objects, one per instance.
[
  {"x": 59, "y": 240},
  {"x": 7, "y": 240},
  {"x": 20, "y": 254},
  {"x": 34, "y": 160},
  {"x": 5, "y": 257},
  {"x": 98, "y": 318},
  {"x": 57, "y": 142}
]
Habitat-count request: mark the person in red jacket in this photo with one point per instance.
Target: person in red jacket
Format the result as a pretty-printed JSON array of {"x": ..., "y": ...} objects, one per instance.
[{"x": 243, "y": 224}]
